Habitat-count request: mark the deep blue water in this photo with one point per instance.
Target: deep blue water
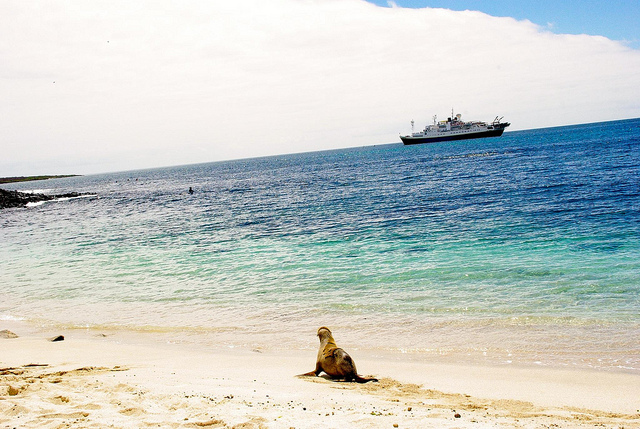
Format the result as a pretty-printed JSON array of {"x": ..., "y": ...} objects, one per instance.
[{"x": 523, "y": 248}]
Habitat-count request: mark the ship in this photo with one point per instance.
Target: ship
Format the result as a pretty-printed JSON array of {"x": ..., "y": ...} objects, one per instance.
[{"x": 454, "y": 128}]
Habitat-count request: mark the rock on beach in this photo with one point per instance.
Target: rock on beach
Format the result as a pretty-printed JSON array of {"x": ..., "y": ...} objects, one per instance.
[{"x": 5, "y": 333}]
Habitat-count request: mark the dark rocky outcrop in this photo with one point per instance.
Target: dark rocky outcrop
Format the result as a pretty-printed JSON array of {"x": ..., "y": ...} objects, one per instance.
[{"x": 10, "y": 199}]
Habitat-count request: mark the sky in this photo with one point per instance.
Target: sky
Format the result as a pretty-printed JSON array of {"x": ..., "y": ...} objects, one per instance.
[
  {"x": 615, "y": 19},
  {"x": 90, "y": 86}
]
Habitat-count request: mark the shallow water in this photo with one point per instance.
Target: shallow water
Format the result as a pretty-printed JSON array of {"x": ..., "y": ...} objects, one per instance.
[{"x": 523, "y": 249}]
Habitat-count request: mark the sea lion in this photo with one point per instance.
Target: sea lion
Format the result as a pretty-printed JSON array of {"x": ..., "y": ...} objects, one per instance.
[{"x": 334, "y": 361}]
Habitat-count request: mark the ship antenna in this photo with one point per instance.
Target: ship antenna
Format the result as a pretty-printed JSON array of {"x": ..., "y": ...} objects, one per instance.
[
  {"x": 435, "y": 118},
  {"x": 412, "y": 123}
]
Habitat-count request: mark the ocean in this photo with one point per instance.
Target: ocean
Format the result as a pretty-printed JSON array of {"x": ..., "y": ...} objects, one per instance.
[{"x": 518, "y": 250}]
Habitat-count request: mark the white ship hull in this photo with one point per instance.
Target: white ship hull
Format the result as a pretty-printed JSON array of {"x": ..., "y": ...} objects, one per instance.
[{"x": 455, "y": 129}]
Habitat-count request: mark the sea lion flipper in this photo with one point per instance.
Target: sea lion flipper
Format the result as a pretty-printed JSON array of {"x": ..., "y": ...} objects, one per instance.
[
  {"x": 359, "y": 379},
  {"x": 313, "y": 373}
]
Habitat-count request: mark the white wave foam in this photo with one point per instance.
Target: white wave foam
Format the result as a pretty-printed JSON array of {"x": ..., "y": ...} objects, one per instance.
[
  {"x": 39, "y": 203},
  {"x": 10, "y": 318},
  {"x": 37, "y": 191}
]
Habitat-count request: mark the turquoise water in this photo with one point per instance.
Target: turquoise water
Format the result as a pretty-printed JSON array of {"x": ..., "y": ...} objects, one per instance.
[{"x": 523, "y": 249}]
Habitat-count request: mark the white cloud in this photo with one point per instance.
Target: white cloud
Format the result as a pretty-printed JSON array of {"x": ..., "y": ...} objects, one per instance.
[{"x": 143, "y": 84}]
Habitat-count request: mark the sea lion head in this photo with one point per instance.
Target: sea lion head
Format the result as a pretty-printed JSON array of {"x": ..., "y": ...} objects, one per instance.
[{"x": 323, "y": 331}]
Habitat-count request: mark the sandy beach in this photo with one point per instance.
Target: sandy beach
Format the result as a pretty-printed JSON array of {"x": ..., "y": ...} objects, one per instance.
[{"x": 96, "y": 380}]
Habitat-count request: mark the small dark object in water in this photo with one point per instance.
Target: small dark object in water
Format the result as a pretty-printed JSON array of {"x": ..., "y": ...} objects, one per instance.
[
  {"x": 57, "y": 338},
  {"x": 190, "y": 190}
]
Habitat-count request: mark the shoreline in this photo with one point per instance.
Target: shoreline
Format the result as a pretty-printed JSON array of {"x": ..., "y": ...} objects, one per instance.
[
  {"x": 103, "y": 380},
  {"x": 19, "y": 179},
  {"x": 611, "y": 349}
]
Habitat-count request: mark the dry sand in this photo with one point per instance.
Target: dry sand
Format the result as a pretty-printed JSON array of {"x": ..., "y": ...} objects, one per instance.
[{"x": 101, "y": 382}]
